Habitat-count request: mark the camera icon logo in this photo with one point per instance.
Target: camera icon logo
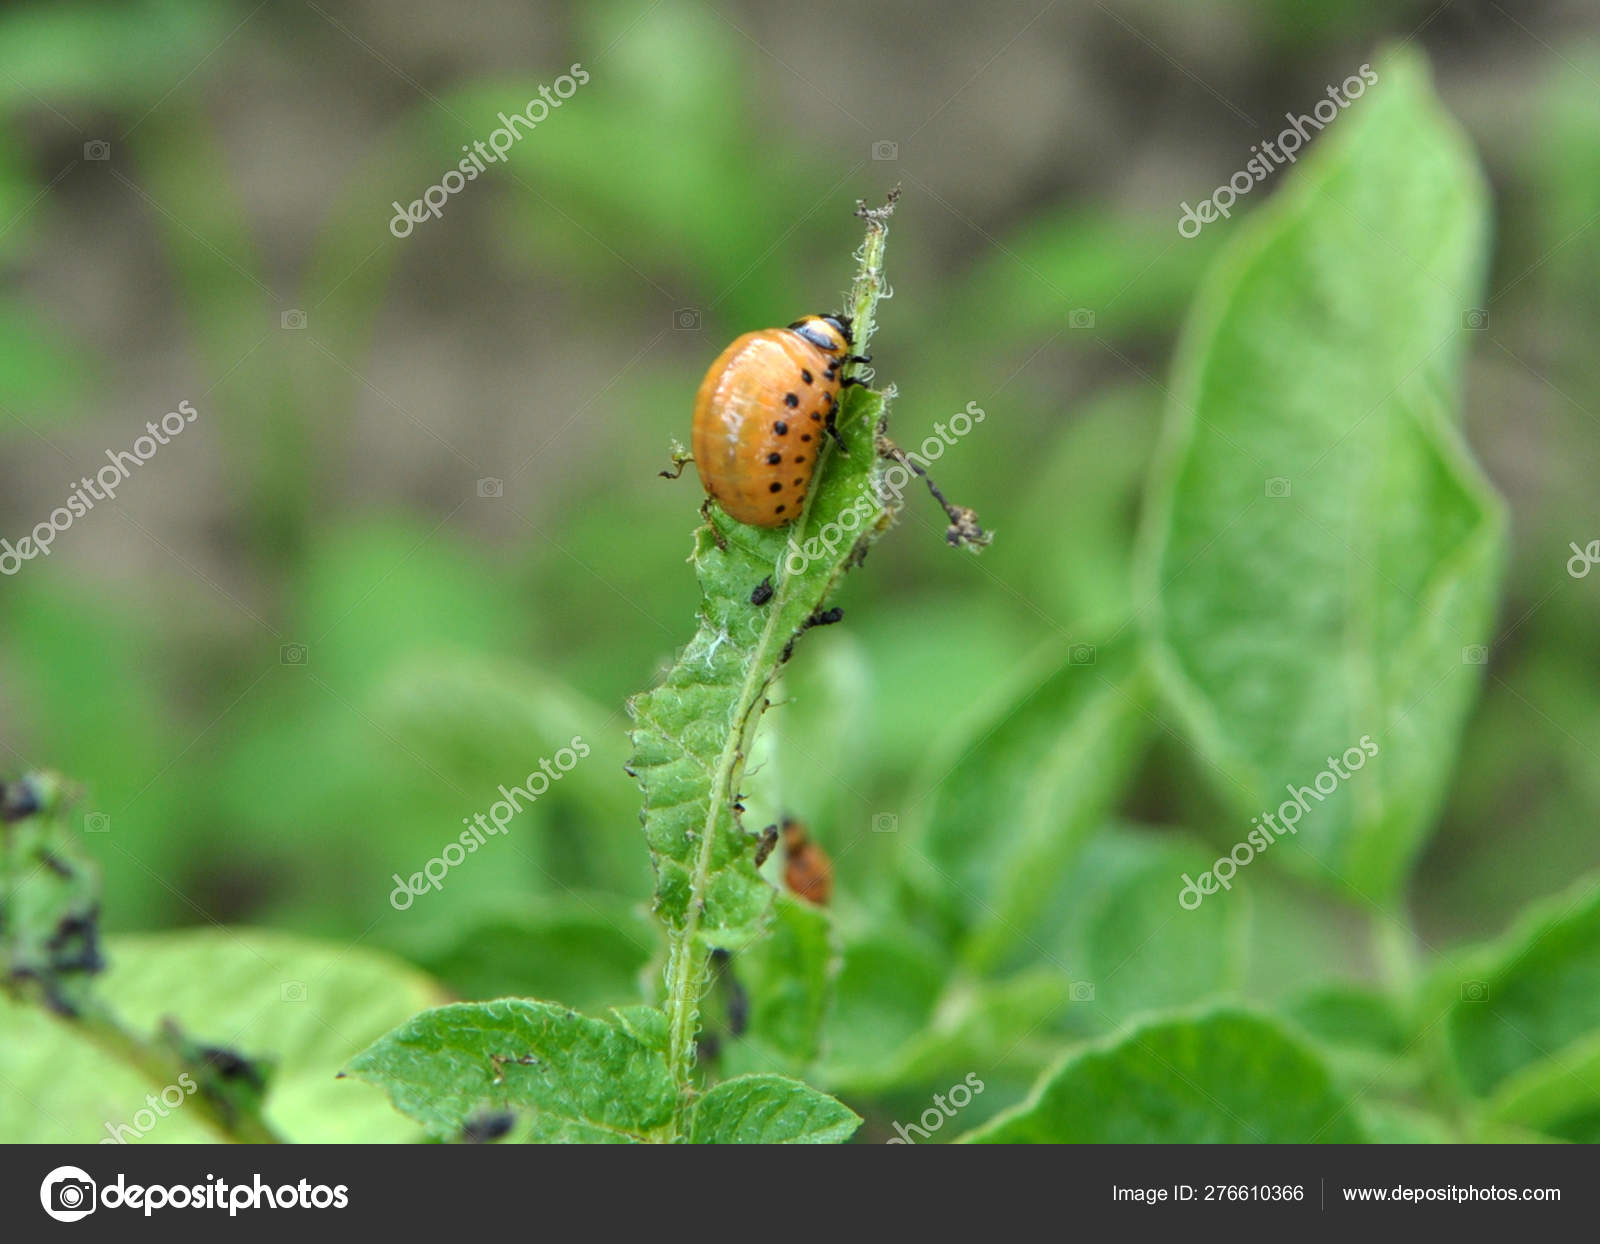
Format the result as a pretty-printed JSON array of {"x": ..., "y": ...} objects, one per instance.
[
  {"x": 686, "y": 320},
  {"x": 1475, "y": 654},
  {"x": 1080, "y": 317},
  {"x": 293, "y": 654},
  {"x": 1474, "y": 991},
  {"x": 97, "y": 149},
  {"x": 292, "y": 991},
  {"x": 67, "y": 1194},
  {"x": 1278, "y": 487},
  {"x": 490, "y": 488},
  {"x": 293, "y": 319},
  {"x": 1081, "y": 991},
  {"x": 1081, "y": 654},
  {"x": 885, "y": 823},
  {"x": 97, "y": 823},
  {"x": 1475, "y": 319},
  {"x": 883, "y": 149}
]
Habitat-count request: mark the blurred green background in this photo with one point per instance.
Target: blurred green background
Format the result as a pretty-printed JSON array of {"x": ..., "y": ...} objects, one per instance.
[{"x": 417, "y": 530}]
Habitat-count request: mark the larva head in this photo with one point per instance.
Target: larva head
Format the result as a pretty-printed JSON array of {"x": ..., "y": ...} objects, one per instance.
[{"x": 829, "y": 333}]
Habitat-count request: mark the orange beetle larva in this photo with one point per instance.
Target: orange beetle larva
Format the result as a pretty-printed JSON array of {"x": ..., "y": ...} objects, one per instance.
[
  {"x": 807, "y": 870},
  {"x": 761, "y": 413}
]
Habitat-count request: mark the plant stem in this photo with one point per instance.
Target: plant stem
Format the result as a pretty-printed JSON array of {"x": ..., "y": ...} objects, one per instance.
[
  {"x": 688, "y": 961},
  {"x": 162, "y": 1068},
  {"x": 867, "y": 287}
]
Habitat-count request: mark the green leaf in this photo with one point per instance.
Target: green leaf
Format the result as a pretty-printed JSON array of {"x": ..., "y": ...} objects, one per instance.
[
  {"x": 823, "y": 729},
  {"x": 1006, "y": 1027},
  {"x": 904, "y": 699},
  {"x": 573, "y": 1079},
  {"x": 58, "y": 1087},
  {"x": 1142, "y": 950},
  {"x": 761, "y": 589},
  {"x": 479, "y": 720},
  {"x": 303, "y": 1006},
  {"x": 1017, "y": 789},
  {"x": 1132, "y": 272},
  {"x": 693, "y": 736},
  {"x": 1365, "y": 1039},
  {"x": 1389, "y": 1124},
  {"x": 885, "y": 995},
  {"x": 469, "y": 714},
  {"x": 787, "y": 983},
  {"x": 380, "y": 593},
  {"x": 1299, "y": 932},
  {"x": 591, "y": 951},
  {"x": 1069, "y": 538},
  {"x": 770, "y": 1110},
  {"x": 1559, "y": 1095},
  {"x": 307, "y": 1005},
  {"x": 645, "y": 1024},
  {"x": 1321, "y": 552},
  {"x": 1350, "y": 1014},
  {"x": 691, "y": 733},
  {"x": 1221, "y": 1077},
  {"x": 1523, "y": 1021}
]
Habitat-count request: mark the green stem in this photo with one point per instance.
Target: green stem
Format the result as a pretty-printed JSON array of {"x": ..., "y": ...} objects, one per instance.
[
  {"x": 688, "y": 962},
  {"x": 160, "y": 1067}
]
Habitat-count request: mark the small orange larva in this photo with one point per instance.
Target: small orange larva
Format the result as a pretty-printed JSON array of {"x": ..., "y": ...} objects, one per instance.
[
  {"x": 807, "y": 870},
  {"x": 761, "y": 413}
]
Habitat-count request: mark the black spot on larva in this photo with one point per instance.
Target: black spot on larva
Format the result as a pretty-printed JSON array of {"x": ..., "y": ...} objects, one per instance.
[
  {"x": 815, "y": 416},
  {"x": 775, "y": 488},
  {"x": 791, "y": 400},
  {"x": 781, "y": 428},
  {"x": 780, "y": 509},
  {"x": 827, "y": 400},
  {"x": 800, "y": 458},
  {"x": 805, "y": 375},
  {"x": 798, "y": 482},
  {"x": 806, "y": 436},
  {"x": 774, "y": 459}
]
